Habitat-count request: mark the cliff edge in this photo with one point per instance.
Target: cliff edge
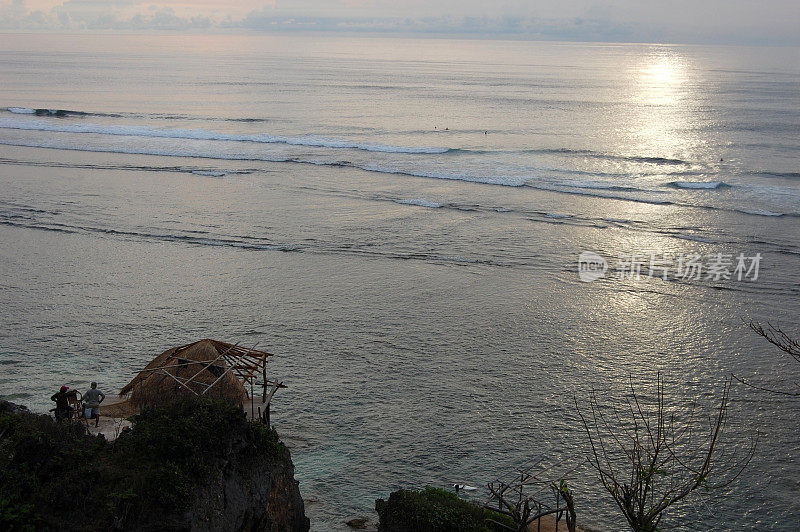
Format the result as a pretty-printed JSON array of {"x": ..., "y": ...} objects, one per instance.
[{"x": 190, "y": 465}]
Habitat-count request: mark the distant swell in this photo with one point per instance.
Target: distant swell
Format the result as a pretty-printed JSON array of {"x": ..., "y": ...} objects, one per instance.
[
  {"x": 598, "y": 193},
  {"x": 506, "y": 181},
  {"x": 208, "y": 173},
  {"x": 569, "y": 152},
  {"x": 200, "y": 134},
  {"x": 615, "y": 157},
  {"x": 242, "y": 243},
  {"x": 499, "y": 180},
  {"x": 598, "y": 185},
  {"x": 300, "y": 140},
  {"x": 57, "y": 113},
  {"x": 698, "y": 185},
  {"x": 141, "y": 168},
  {"x": 785, "y": 175},
  {"x": 63, "y": 113}
]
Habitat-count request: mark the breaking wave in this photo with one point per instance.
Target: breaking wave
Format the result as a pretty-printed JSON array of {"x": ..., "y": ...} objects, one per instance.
[
  {"x": 200, "y": 134},
  {"x": 760, "y": 212},
  {"x": 419, "y": 202}
]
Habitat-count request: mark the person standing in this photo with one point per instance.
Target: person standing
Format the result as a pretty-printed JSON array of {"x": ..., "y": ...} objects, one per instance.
[
  {"x": 92, "y": 400},
  {"x": 62, "y": 397}
]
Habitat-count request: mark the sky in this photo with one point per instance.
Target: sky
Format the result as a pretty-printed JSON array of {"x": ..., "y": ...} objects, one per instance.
[{"x": 697, "y": 21}]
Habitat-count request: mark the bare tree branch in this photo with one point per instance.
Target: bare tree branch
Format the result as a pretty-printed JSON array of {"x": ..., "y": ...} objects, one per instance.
[
  {"x": 664, "y": 460},
  {"x": 770, "y": 390},
  {"x": 517, "y": 499},
  {"x": 782, "y": 341},
  {"x": 778, "y": 338}
]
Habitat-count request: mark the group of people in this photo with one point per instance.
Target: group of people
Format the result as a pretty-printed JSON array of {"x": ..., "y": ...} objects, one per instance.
[{"x": 91, "y": 403}]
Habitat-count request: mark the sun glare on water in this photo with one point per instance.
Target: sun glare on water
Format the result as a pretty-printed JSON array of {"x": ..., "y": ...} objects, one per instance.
[
  {"x": 661, "y": 79},
  {"x": 661, "y": 84}
]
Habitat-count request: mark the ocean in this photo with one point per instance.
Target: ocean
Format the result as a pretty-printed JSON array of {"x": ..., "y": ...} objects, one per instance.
[{"x": 400, "y": 221}]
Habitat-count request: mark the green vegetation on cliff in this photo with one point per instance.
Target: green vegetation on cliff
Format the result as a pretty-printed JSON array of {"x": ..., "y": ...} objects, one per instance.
[
  {"x": 434, "y": 510},
  {"x": 58, "y": 476}
]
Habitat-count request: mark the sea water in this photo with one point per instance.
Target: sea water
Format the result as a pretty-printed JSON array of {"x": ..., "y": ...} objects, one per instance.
[{"x": 400, "y": 220}]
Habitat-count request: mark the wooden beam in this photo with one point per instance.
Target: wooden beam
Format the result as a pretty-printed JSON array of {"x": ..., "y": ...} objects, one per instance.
[{"x": 179, "y": 382}]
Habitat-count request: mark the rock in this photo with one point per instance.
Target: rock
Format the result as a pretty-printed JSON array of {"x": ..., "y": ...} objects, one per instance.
[
  {"x": 358, "y": 523},
  {"x": 252, "y": 489},
  {"x": 7, "y": 407},
  {"x": 245, "y": 496}
]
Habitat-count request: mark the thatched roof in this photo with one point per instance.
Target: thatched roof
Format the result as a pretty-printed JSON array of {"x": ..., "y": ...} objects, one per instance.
[{"x": 206, "y": 368}]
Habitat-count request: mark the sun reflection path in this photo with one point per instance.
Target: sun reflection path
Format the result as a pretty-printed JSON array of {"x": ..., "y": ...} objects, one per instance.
[
  {"x": 661, "y": 79},
  {"x": 664, "y": 86}
]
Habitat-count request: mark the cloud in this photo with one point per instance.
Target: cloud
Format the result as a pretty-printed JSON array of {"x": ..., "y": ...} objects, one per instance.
[
  {"x": 597, "y": 24},
  {"x": 99, "y": 15},
  {"x": 711, "y": 21}
]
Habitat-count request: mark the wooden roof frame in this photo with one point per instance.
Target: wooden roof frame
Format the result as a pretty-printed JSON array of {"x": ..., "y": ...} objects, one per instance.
[{"x": 246, "y": 364}]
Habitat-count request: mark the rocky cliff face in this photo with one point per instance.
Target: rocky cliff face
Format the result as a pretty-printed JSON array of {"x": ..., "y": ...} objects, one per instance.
[
  {"x": 7, "y": 407},
  {"x": 248, "y": 494},
  {"x": 192, "y": 465}
]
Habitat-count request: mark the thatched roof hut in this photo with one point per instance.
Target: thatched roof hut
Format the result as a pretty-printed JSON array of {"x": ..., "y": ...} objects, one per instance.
[{"x": 206, "y": 368}]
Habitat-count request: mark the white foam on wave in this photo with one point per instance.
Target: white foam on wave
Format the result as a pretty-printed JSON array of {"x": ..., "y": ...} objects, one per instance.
[
  {"x": 760, "y": 212},
  {"x": 201, "y": 134},
  {"x": 420, "y": 202},
  {"x": 21, "y": 110},
  {"x": 700, "y": 185},
  {"x": 211, "y": 154}
]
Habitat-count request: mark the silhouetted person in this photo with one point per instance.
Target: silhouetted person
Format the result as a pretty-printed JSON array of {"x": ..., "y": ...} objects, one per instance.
[
  {"x": 92, "y": 400},
  {"x": 62, "y": 398}
]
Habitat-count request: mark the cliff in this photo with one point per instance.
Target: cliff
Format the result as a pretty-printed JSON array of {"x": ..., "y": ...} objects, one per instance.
[{"x": 190, "y": 465}]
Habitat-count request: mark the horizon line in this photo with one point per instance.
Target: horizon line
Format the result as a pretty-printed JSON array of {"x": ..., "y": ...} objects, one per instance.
[{"x": 372, "y": 32}]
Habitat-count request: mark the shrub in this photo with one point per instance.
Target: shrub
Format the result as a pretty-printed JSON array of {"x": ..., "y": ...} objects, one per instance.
[
  {"x": 55, "y": 473},
  {"x": 434, "y": 510}
]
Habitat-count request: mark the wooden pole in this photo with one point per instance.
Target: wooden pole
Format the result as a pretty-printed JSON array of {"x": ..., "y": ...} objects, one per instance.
[
  {"x": 558, "y": 505},
  {"x": 539, "y": 521},
  {"x": 264, "y": 382}
]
